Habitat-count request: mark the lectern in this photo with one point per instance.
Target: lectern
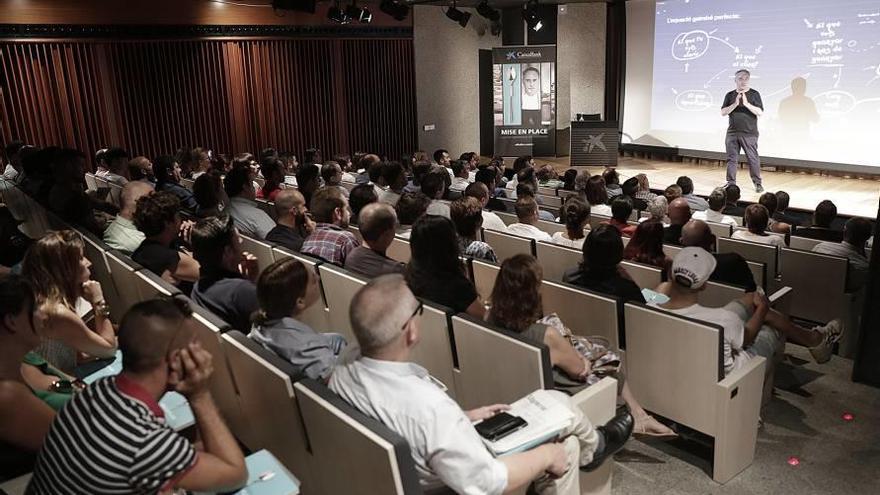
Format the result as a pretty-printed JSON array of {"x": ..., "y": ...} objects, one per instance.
[{"x": 594, "y": 143}]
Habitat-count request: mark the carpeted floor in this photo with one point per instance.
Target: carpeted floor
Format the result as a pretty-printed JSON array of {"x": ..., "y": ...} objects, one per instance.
[{"x": 803, "y": 420}]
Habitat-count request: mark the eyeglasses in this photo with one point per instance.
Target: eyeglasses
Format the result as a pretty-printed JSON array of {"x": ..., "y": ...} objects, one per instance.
[{"x": 418, "y": 312}]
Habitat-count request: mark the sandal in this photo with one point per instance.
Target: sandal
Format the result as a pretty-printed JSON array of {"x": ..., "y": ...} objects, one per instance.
[{"x": 645, "y": 424}]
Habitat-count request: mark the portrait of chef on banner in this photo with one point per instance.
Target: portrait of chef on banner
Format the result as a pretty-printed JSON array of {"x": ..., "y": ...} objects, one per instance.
[{"x": 524, "y": 100}]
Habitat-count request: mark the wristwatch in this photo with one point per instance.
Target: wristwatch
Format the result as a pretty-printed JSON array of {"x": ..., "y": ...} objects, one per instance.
[{"x": 102, "y": 308}]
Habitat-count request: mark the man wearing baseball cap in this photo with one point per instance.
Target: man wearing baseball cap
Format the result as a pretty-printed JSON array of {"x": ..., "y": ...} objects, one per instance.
[{"x": 751, "y": 327}]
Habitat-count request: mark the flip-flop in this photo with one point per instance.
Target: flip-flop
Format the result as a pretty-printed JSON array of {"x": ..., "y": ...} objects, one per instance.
[{"x": 640, "y": 431}]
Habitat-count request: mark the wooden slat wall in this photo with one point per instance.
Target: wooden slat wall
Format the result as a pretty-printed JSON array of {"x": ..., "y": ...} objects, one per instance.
[{"x": 152, "y": 97}]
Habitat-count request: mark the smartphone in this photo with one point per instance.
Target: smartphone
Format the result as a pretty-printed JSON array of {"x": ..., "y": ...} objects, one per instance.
[{"x": 500, "y": 426}]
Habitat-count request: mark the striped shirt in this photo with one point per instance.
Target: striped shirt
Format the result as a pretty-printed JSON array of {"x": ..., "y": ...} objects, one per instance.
[
  {"x": 111, "y": 438},
  {"x": 330, "y": 243}
]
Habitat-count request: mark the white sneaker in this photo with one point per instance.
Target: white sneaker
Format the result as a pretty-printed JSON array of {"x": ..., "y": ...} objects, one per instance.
[{"x": 831, "y": 333}]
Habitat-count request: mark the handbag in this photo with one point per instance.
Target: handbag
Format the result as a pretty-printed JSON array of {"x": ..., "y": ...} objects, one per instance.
[{"x": 604, "y": 361}]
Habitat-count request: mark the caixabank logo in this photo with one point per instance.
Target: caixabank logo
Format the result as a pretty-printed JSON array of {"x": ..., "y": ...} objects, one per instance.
[{"x": 523, "y": 55}]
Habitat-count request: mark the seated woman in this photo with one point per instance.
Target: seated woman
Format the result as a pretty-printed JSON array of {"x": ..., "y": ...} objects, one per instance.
[
  {"x": 600, "y": 269},
  {"x": 771, "y": 202},
  {"x": 577, "y": 363},
  {"x": 657, "y": 211},
  {"x": 575, "y": 213},
  {"x": 467, "y": 215},
  {"x": 167, "y": 172},
  {"x": 59, "y": 272},
  {"x": 435, "y": 271},
  {"x": 209, "y": 194},
  {"x": 272, "y": 170},
  {"x": 285, "y": 289},
  {"x": 24, "y": 417},
  {"x": 756, "y": 220},
  {"x": 410, "y": 207},
  {"x": 646, "y": 246}
]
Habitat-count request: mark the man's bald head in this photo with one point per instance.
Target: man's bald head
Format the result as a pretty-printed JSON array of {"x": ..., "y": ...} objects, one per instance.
[
  {"x": 679, "y": 211},
  {"x": 286, "y": 200},
  {"x": 150, "y": 330},
  {"x": 697, "y": 233},
  {"x": 377, "y": 220},
  {"x": 131, "y": 192},
  {"x": 380, "y": 311}
]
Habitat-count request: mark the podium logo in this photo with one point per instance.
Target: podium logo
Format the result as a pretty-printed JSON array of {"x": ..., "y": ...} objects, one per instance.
[{"x": 593, "y": 142}]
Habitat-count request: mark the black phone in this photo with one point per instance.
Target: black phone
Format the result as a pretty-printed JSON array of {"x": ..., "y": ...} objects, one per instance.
[{"x": 499, "y": 426}]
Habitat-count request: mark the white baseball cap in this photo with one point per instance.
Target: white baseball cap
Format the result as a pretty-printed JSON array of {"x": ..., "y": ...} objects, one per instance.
[{"x": 692, "y": 267}]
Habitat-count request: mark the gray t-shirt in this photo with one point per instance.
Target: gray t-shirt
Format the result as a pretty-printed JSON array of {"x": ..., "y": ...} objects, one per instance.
[{"x": 369, "y": 263}]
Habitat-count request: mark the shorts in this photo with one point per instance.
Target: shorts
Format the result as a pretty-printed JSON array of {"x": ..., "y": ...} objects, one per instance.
[{"x": 768, "y": 341}]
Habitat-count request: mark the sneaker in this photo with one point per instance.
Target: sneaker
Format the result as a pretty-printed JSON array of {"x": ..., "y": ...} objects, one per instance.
[
  {"x": 759, "y": 188},
  {"x": 831, "y": 333}
]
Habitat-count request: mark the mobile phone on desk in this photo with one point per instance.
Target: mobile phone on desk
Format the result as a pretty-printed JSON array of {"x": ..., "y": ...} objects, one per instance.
[{"x": 499, "y": 426}]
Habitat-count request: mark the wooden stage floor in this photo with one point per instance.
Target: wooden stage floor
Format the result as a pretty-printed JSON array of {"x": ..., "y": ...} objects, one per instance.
[{"x": 852, "y": 196}]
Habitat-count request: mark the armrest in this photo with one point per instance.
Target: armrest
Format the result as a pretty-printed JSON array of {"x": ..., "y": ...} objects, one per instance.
[
  {"x": 737, "y": 377},
  {"x": 598, "y": 402},
  {"x": 781, "y": 299}
]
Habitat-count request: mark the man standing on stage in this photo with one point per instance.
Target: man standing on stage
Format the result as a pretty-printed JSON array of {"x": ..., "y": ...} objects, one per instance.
[{"x": 743, "y": 106}]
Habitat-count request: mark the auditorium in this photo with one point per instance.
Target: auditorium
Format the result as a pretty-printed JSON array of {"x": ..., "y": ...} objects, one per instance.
[{"x": 405, "y": 247}]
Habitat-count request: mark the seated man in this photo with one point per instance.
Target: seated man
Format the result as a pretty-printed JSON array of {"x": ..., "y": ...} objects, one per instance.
[
  {"x": 679, "y": 213},
  {"x": 730, "y": 268},
  {"x": 121, "y": 234},
  {"x": 157, "y": 216},
  {"x": 434, "y": 187},
  {"x": 112, "y": 437},
  {"x": 731, "y": 206},
  {"x": 717, "y": 200},
  {"x": 630, "y": 188},
  {"x": 856, "y": 233},
  {"x": 527, "y": 216},
  {"x": 459, "y": 176},
  {"x": 331, "y": 174},
  {"x": 294, "y": 224},
  {"x": 378, "y": 224},
  {"x": 331, "y": 240},
  {"x": 117, "y": 167},
  {"x": 410, "y": 208},
  {"x": 695, "y": 202},
  {"x": 621, "y": 209},
  {"x": 226, "y": 274},
  {"x": 446, "y": 449},
  {"x": 751, "y": 327},
  {"x": 823, "y": 216},
  {"x": 249, "y": 218},
  {"x": 394, "y": 176},
  {"x": 479, "y": 191}
]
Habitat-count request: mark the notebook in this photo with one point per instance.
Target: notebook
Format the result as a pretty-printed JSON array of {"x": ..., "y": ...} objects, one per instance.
[{"x": 546, "y": 417}]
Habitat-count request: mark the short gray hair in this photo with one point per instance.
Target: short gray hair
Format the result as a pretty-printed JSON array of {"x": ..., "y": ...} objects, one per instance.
[
  {"x": 657, "y": 208},
  {"x": 379, "y": 311}
]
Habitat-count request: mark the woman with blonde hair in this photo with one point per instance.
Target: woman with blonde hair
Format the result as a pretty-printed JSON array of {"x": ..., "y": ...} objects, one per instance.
[{"x": 59, "y": 271}]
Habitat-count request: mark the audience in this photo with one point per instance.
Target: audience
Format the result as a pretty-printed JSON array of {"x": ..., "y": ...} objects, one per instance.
[
  {"x": 378, "y": 225},
  {"x": 446, "y": 449},
  {"x": 480, "y": 192},
  {"x": 410, "y": 208},
  {"x": 308, "y": 180},
  {"x": 672, "y": 192},
  {"x": 272, "y": 170},
  {"x": 527, "y": 219},
  {"x": 459, "y": 176},
  {"x": 194, "y": 162},
  {"x": 490, "y": 177},
  {"x": 209, "y": 194},
  {"x": 116, "y": 172},
  {"x": 58, "y": 270},
  {"x": 568, "y": 179},
  {"x": 435, "y": 271},
  {"x": 226, "y": 273},
  {"x": 612, "y": 183},
  {"x": 695, "y": 202},
  {"x": 679, "y": 214},
  {"x": 434, "y": 187},
  {"x": 140, "y": 168},
  {"x": 621, "y": 209},
  {"x": 112, "y": 437},
  {"x": 285, "y": 289},
  {"x": 644, "y": 193},
  {"x": 361, "y": 195},
  {"x": 467, "y": 216},
  {"x": 600, "y": 269},
  {"x": 167, "y": 172},
  {"x": 157, "y": 216},
  {"x": 374, "y": 172},
  {"x": 630, "y": 190},
  {"x": 657, "y": 211},
  {"x": 419, "y": 170},
  {"x": 517, "y": 306},
  {"x": 293, "y": 224},
  {"x": 646, "y": 246},
  {"x": 856, "y": 233},
  {"x": 55, "y": 178},
  {"x": 821, "y": 230},
  {"x": 597, "y": 196},
  {"x": 730, "y": 268},
  {"x": 575, "y": 214},
  {"x": 768, "y": 200},
  {"x": 520, "y": 164},
  {"x": 330, "y": 240},
  {"x": 526, "y": 189},
  {"x": 781, "y": 214},
  {"x": 732, "y": 206},
  {"x": 755, "y": 220},
  {"x": 751, "y": 327},
  {"x": 331, "y": 175},
  {"x": 249, "y": 219},
  {"x": 717, "y": 200},
  {"x": 441, "y": 157},
  {"x": 25, "y": 416},
  {"x": 395, "y": 177},
  {"x": 122, "y": 234}
]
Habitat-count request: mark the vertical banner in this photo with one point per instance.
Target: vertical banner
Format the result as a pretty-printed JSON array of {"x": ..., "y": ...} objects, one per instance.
[{"x": 524, "y": 100}]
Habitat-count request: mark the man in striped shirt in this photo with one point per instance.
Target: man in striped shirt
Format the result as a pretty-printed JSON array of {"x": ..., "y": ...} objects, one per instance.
[{"x": 112, "y": 438}]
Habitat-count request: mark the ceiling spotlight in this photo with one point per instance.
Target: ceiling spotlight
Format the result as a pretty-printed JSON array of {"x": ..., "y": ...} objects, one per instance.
[
  {"x": 458, "y": 16},
  {"x": 336, "y": 14},
  {"x": 395, "y": 8},
  {"x": 488, "y": 12},
  {"x": 532, "y": 16},
  {"x": 359, "y": 14}
]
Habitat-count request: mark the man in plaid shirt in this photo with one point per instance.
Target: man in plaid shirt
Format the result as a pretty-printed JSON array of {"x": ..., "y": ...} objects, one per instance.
[{"x": 330, "y": 241}]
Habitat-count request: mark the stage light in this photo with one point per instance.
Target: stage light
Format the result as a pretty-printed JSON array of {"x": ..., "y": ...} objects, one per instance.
[
  {"x": 336, "y": 14},
  {"x": 531, "y": 16},
  {"x": 359, "y": 14},
  {"x": 396, "y": 9},
  {"x": 458, "y": 16},
  {"x": 488, "y": 12}
]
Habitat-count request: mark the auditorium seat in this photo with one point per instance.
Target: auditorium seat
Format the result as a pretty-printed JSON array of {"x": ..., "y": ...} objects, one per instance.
[
  {"x": 91, "y": 184},
  {"x": 818, "y": 282},
  {"x": 357, "y": 232},
  {"x": 399, "y": 250},
  {"x": 340, "y": 286},
  {"x": 547, "y": 191},
  {"x": 315, "y": 316},
  {"x": 596, "y": 220},
  {"x": 261, "y": 249},
  {"x": 584, "y": 312},
  {"x": 507, "y": 218},
  {"x": 753, "y": 251},
  {"x": 434, "y": 351},
  {"x": 267, "y": 207},
  {"x": 122, "y": 271},
  {"x": 549, "y": 201},
  {"x": 508, "y": 245},
  {"x": 115, "y": 196},
  {"x": 803, "y": 243},
  {"x": 352, "y": 453},
  {"x": 150, "y": 285},
  {"x": 556, "y": 259},
  {"x": 675, "y": 366},
  {"x": 550, "y": 227},
  {"x": 645, "y": 276},
  {"x": 483, "y": 276},
  {"x": 266, "y": 396}
]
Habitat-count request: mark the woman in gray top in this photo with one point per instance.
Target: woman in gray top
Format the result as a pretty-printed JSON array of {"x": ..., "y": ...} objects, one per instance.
[{"x": 285, "y": 289}]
